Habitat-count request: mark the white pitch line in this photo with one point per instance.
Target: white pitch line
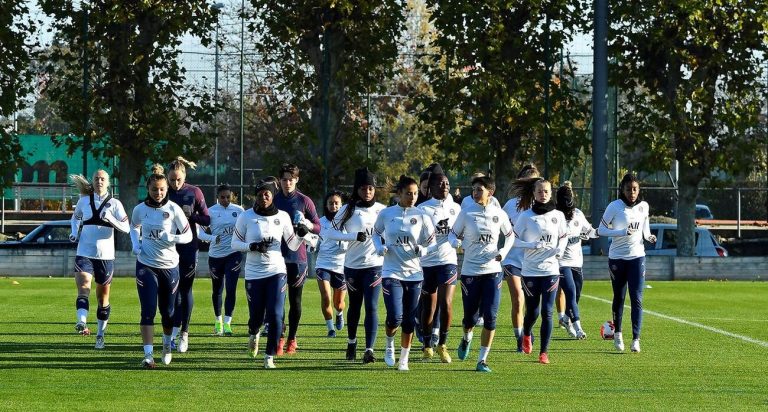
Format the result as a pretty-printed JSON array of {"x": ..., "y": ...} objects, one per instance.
[{"x": 687, "y": 322}]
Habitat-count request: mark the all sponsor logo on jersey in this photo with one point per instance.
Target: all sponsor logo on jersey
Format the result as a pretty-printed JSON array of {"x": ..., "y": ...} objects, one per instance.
[
  {"x": 413, "y": 220},
  {"x": 166, "y": 215}
]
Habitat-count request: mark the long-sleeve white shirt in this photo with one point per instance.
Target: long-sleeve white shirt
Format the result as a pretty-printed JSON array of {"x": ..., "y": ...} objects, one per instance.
[
  {"x": 468, "y": 201},
  {"x": 94, "y": 241},
  {"x": 547, "y": 230},
  {"x": 252, "y": 227},
  {"x": 440, "y": 210},
  {"x": 330, "y": 253},
  {"x": 628, "y": 226},
  {"x": 515, "y": 255},
  {"x": 223, "y": 221},
  {"x": 360, "y": 255},
  {"x": 577, "y": 227},
  {"x": 153, "y": 232},
  {"x": 477, "y": 230},
  {"x": 408, "y": 235}
]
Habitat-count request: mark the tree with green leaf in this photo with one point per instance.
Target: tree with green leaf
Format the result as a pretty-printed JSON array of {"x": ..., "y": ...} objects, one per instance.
[
  {"x": 15, "y": 80},
  {"x": 499, "y": 86},
  {"x": 328, "y": 53},
  {"x": 133, "y": 104},
  {"x": 690, "y": 73}
]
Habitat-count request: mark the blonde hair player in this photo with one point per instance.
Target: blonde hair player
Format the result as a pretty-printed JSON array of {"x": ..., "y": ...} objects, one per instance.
[{"x": 97, "y": 215}]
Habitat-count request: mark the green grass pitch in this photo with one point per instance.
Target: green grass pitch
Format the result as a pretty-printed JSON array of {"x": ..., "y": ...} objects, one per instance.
[{"x": 45, "y": 365}]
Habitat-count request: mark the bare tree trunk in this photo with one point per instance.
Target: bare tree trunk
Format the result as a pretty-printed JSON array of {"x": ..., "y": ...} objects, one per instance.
[
  {"x": 129, "y": 180},
  {"x": 686, "y": 209}
]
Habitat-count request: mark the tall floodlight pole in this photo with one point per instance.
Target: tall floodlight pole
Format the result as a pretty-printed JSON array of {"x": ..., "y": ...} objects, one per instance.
[
  {"x": 600, "y": 121},
  {"x": 242, "y": 107},
  {"x": 217, "y": 9}
]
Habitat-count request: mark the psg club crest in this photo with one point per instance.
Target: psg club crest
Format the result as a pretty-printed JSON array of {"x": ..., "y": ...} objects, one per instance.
[
  {"x": 234, "y": 214},
  {"x": 108, "y": 205},
  {"x": 277, "y": 222},
  {"x": 529, "y": 284},
  {"x": 166, "y": 215},
  {"x": 413, "y": 220},
  {"x": 640, "y": 208},
  {"x": 452, "y": 212},
  {"x": 554, "y": 220},
  {"x": 495, "y": 219},
  {"x": 576, "y": 223}
]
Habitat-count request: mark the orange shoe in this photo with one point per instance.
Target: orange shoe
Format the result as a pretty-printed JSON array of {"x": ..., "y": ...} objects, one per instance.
[
  {"x": 527, "y": 345},
  {"x": 292, "y": 346},
  {"x": 543, "y": 358},
  {"x": 280, "y": 345}
]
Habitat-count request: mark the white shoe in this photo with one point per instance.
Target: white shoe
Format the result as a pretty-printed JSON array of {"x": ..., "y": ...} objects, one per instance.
[
  {"x": 389, "y": 357},
  {"x": 99, "y": 342},
  {"x": 183, "y": 342},
  {"x": 269, "y": 362},
  {"x": 253, "y": 345},
  {"x": 148, "y": 362},
  {"x": 635, "y": 345},
  {"x": 571, "y": 330},
  {"x": 403, "y": 366},
  {"x": 167, "y": 354},
  {"x": 580, "y": 334},
  {"x": 618, "y": 341}
]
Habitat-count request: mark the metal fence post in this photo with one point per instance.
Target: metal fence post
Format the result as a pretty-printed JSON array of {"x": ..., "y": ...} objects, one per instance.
[{"x": 738, "y": 212}]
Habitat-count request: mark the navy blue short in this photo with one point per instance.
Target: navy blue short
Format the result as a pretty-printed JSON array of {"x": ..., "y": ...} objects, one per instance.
[
  {"x": 336, "y": 279},
  {"x": 101, "y": 270},
  {"x": 510, "y": 270},
  {"x": 435, "y": 276},
  {"x": 297, "y": 274}
]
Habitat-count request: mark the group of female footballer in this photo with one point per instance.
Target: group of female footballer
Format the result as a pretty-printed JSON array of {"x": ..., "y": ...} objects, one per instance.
[{"x": 407, "y": 251}]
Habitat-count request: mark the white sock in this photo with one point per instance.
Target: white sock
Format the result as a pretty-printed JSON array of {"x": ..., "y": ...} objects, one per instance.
[
  {"x": 390, "y": 342},
  {"x": 436, "y": 331},
  {"x": 228, "y": 320},
  {"x": 82, "y": 315},
  {"x": 218, "y": 318},
  {"x": 369, "y": 349},
  {"x": 340, "y": 313},
  {"x": 560, "y": 315},
  {"x": 483, "y": 353},
  {"x": 148, "y": 349},
  {"x": 351, "y": 341},
  {"x": 167, "y": 339},
  {"x": 175, "y": 332},
  {"x": 577, "y": 325},
  {"x": 269, "y": 357},
  {"x": 404, "y": 352},
  {"x": 468, "y": 336},
  {"x": 329, "y": 324},
  {"x": 518, "y": 333},
  {"x": 102, "y": 327}
]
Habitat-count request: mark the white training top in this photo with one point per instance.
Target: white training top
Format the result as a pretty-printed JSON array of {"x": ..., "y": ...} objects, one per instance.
[
  {"x": 252, "y": 227},
  {"x": 544, "y": 238},
  {"x": 515, "y": 255},
  {"x": 222, "y": 225},
  {"x": 152, "y": 231},
  {"x": 408, "y": 235},
  {"x": 360, "y": 255},
  {"x": 468, "y": 200},
  {"x": 440, "y": 210},
  {"x": 477, "y": 229},
  {"x": 628, "y": 226},
  {"x": 577, "y": 228},
  {"x": 94, "y": 241},
  {"x": 330, "y": 253}
]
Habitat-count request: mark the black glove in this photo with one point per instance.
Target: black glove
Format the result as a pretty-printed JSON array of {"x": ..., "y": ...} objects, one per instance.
[
  {"x": 261, "y": 247},
  {"x": 442, "y": 225},
  {"x": 301, "y": 230},
  {"x": 362, "y": 236}
]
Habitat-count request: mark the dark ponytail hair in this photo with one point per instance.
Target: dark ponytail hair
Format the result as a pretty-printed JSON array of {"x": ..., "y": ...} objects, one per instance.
[{"x": 565, "y": 199}]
